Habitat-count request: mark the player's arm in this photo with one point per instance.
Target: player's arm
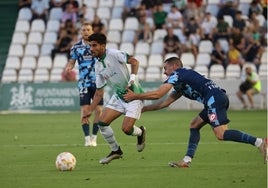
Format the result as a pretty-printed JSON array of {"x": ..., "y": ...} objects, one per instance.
[
  {"x": 134, "y": 69},
  {"x": 70, "y": 65},
  {"x": 150, "y": 95},
  {"x": 96, "y": 100},
  {"x": 163, "y": 104}
]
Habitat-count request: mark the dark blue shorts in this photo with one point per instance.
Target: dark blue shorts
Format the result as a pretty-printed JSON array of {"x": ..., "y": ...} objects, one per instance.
[
  {"x": 87, "y": 96},
  {"x": 215, "y": 111}
]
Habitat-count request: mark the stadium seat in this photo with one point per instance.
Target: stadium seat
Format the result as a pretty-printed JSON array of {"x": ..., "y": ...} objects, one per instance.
[
  {"x": 142, "y": 48},
  {"x": 131, "y": 23},
  {"x": 16, "y": 50},
  {"x": 13, "y": 62},
  {"x": 153, "y": 74},
  {"x": 38, "y": 25},
  {"x": 127, "y": 47},
  {"x": 114, "y": 36},
  {"x": 203, "y": 59},
  {"x": 106, "y": 3},
  {"x": 264, "y": 57},
  {"x": 112, "y": 45},
  {"x": 157, "y": 47},
  {"x": 19, "y": 38},
  {"x": 55, "y": 75},
  {"x": 159, "y": 34},
  {"x": 261, "y": 20},
  {"x": 31, "y": 50},
  {"x": 188, "y": 59},
  {"x": 25, "y": 75},
  {"x": 119, "y": 3},
  {"x": 233, "y": 71},
  {"x": 229, "y": 20},
  {"x": 9, "y": 75},
  {"x": 217, "y": 72},
  {"x": 28, "y": 62},
  {"x": 205, "y": 46},
  {"x": 116, "y": 24},
  {"x": 117, "y": 12},
  {"x": 44, "y": 62},
  {"x": 91, "y": 3},
  {"x": 103, "y": 13},
  {"x": 155, "y": 60},
  {"x": 128, "y": 36},
  {"x": 168, "y": 55},
  {"x": 60, "y": 61},
  {"x": 213, "y": 9},
  {"x": 224, "y": 45},
  {"x": 41, "y": 75},
  {"x": 35, "y": 38},
  {"x": 53, "y": 25},
  {"x": 141, "y": 74},
  {"x": 50, "y": 37},
  {"x": 55, "y": 13},
  {"x": 142, "y": 60},
  {"x": 263, "y": 72},
  {"x": 46, "y": 49},
  {"x": 25, "y": 14},
  {"x": 22, "y": 26},
  {"x": 244, "y": 7},
  {"x": 203, "y": 70}
]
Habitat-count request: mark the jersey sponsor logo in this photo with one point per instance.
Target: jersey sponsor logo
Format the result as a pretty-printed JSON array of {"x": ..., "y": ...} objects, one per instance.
[{"x": 212, "y": 117}]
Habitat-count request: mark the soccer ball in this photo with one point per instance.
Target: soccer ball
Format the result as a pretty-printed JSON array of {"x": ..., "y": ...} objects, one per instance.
[{"x": 65, "y": 161}]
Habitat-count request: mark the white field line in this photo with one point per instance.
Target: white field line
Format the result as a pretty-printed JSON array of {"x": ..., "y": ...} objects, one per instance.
[{"x": 65, "y": 145}]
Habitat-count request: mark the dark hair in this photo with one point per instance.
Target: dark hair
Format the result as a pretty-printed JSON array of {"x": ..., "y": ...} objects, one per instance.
[
  {"x": 174, "y": 60},
  {"x": 98, "y": 37}
]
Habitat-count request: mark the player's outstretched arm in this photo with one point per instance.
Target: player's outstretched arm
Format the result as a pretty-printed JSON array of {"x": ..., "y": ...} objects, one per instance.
[
  {"x": 150, "y": 95},
  {"x": 163, "y": 104}
]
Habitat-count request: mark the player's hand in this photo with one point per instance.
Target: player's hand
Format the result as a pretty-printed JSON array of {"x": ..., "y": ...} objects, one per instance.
[
  {"x": 85, "y": 116},
  {"x": 129, "y": 96}
]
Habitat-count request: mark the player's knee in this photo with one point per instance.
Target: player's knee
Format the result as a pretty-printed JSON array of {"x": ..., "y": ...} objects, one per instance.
[{"x": 127, "y": 130}]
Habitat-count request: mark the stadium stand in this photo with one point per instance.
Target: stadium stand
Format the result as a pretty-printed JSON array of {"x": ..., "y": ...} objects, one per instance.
[{"x": 36, "y": 40}]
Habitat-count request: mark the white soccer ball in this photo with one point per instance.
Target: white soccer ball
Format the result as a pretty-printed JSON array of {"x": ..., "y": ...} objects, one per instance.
[{"x": 65, "y": 161}]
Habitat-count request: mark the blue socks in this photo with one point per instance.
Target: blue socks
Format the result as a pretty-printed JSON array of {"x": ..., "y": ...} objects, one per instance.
[
  {"x": 193, "y": 142},
  {"x": 237, "y": 136},
  {"x": 85, "y": 128},
  {"x": 95, "y": 129}
]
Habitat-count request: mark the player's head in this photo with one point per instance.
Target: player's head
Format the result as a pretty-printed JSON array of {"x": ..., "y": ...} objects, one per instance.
[
  {"x": 86, "y": 30},
  {"x": 171, "y": 64},
  {"x": 248, "y": 70},
  {"x": 97, "y": 42}
]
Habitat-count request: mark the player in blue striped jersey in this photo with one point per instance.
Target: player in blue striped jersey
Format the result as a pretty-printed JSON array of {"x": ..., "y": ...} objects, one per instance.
[
  {"x": 81, "y": 53},
  {"x": 192, "y": 85}
]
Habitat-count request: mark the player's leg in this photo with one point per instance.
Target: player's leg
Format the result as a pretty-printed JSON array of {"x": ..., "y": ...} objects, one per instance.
[
  {"x": 217, "y": 113},
  {"x": 132, "y": 113},
  {"x": 194, "y": 138},
  {"x": 106, "y": 118},
  {"x": 97, "y": 113},
  {"x": 85, "y": 125}
]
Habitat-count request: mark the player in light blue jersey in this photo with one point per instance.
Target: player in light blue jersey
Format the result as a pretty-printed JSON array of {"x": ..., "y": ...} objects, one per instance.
[
  {"x": 81, "y": 53},
  {"x": 112, "y": 70},
  {"x": 192, "y": 85}
]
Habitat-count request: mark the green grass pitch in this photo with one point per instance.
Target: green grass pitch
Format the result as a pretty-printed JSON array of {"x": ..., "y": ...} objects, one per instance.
[{"x": 29, "y": 144}]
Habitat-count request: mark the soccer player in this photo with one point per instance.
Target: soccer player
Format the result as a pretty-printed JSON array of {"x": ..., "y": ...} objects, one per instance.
[
  {"x": 111, "y": 69},
  {"x": 192, "y": 85},
  {"x": 81, "y": 53}
]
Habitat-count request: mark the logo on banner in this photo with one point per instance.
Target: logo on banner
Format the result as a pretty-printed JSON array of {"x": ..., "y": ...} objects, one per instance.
[{"x": 21, "y": 97}]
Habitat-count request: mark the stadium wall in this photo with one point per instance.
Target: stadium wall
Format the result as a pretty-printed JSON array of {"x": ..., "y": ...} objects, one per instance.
[{"x": 44, "y": 97}]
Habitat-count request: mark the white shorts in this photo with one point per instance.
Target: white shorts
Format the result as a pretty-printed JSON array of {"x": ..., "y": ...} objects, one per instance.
[{"x": 131, "y": 109}]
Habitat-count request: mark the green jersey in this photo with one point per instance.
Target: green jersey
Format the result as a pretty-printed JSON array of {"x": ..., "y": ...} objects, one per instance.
[{"x": 111, "y": 69}]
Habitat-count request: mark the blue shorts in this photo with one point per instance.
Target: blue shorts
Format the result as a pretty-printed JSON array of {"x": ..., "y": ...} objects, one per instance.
[
  {"x": 87, "y": 96},
  {"x": 215, "y": 111}
]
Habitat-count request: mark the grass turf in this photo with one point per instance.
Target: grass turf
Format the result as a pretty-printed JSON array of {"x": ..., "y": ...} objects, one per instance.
[{"x": 29, "y": 144}]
